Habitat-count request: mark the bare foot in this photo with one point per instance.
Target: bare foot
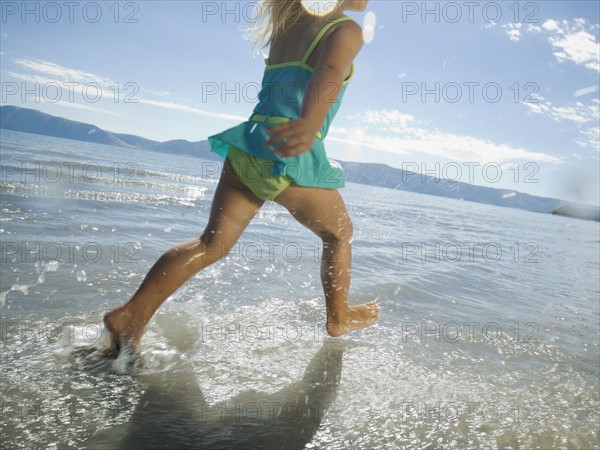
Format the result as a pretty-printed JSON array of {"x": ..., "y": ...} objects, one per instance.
[
  {"x": 123, "y": 328},
  {"x": 354, "y": 318}
]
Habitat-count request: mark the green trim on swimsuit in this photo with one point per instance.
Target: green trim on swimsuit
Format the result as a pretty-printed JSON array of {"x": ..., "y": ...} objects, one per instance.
[
  {"x": 303, "y": 62},
  {"x": 319, "y": 35},
  {"x": 290, "y": 64}
]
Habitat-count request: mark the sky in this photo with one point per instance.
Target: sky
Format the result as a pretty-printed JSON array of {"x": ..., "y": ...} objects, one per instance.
[{"x": 502, "y": 94}]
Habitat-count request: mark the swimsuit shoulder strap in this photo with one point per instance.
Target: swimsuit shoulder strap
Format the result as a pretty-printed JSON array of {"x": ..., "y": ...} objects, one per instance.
[{"x": 319, "y": 35}]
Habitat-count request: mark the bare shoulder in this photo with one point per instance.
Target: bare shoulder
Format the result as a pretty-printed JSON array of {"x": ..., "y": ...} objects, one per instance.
[
  {"x": 350, "y": 26},
  {"x": 347, "y": 32},
  {"x": 339, "y": 46}
]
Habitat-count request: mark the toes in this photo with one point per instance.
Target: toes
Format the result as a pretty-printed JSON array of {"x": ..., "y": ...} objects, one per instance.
[{"x": 373, "y": 306}]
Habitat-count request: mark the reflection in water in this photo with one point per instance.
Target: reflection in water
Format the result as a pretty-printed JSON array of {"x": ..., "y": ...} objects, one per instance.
[{"x": 172, "y": 413}]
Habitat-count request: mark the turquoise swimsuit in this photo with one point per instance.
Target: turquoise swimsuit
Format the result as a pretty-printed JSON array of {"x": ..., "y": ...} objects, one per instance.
[{"x": 280, "y": 99}]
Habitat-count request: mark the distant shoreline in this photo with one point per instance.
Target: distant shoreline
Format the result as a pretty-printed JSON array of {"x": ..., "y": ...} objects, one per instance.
[{"x": 35, "y": 122}]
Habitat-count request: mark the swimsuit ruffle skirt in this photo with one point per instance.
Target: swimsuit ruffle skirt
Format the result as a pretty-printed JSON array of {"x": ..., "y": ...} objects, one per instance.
[{"x": 280, "y": 99}]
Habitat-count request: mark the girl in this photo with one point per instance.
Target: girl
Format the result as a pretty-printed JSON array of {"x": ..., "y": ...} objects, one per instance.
[{"x": 277, "y": 155}]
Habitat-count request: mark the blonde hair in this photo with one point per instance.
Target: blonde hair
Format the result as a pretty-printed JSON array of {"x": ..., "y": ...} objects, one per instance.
[{"x": 274, "y": 18}]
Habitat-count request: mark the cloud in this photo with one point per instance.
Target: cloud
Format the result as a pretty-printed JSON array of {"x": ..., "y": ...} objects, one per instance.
[
  {"x": 585, "y": 91},
  {"x": 551, "y": 25},
  {"x": 54, "y": 83},
  {"x": 191, "y": 109},
  {"x": 584, "y": 116},
  {"x": 573, "y": 41},
  {"x": 395, "y": 132},
  {"x": 49, "y": 82},
  {"x": 590, "y": 138},
  {"x": 87, "y": 107},
  {"x": 579, "y": 47},
  {"x": 513, "y": 30},
  {"x": 61, "y": 73},
  {"x": 158, "y": 94},
  {"x": 576, "y": 112},
  {"x": 51, "y": 90},
  {"x": 392, "y": 119}
]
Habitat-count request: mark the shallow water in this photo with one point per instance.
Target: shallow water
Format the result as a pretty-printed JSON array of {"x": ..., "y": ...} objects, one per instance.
[{"x": 488, "y": 336}]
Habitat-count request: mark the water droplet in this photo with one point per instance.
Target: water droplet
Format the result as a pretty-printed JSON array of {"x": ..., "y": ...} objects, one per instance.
[
  {"x": 52, "y": 266},
  {"x": 20, "y": 288},
  {"x": 81, "y": 276}
]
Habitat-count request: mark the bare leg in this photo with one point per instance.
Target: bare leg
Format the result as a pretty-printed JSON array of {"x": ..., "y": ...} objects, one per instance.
[
  {"x": 323, "y": 211},
  {"x": 232, "y": 209}
]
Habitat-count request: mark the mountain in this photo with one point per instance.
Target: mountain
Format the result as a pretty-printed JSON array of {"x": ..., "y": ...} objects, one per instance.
[
  {"x": 382, "y": 175},
  {"x": 36, "y": 122},
  {"x": 385, "y": 176}
]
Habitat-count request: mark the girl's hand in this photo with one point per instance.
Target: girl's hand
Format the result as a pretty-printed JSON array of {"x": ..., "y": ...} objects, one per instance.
[{"x": 292, "y": 138}]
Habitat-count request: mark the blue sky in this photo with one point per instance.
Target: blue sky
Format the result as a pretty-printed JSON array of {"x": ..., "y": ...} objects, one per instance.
[{"x": 503, "y": 94}]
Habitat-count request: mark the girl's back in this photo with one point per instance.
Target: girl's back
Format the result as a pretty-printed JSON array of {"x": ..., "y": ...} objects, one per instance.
[{"x": 292, "y": 46}]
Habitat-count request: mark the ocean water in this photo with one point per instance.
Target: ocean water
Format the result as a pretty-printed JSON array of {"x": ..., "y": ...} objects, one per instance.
[{"x": 488, "y": 336}]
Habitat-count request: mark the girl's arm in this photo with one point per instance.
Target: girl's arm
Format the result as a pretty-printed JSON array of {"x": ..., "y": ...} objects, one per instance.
[{"x": 341, "y": 48}]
